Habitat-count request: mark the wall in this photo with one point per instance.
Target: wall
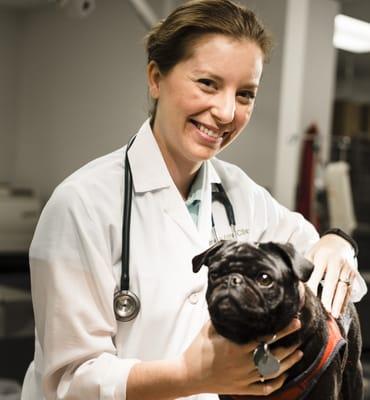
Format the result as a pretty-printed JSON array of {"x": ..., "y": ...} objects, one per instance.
[
  {"x": 8, "y": 79},
  {"x": 255, "y": 150},
  {"x": 83, "y": 93},
  {"x": 82, "y": 90},
  {"x": 307, "y": 94},
  {"x": 353, "y": 78},
  {"x": 320, "y": 67}
]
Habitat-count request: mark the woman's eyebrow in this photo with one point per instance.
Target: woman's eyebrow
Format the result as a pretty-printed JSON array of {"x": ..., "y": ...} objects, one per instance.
[
  {"x": 209, "y": 74},
  {"x": 250, "y": 86},
  {"x": 217, "y": 78}
]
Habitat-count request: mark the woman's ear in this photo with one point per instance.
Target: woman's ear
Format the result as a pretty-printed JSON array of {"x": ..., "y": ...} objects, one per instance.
[{"x": 153, "y": 76}]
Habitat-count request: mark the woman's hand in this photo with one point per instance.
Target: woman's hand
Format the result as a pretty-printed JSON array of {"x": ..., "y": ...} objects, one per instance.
[
  {"x": 334, "y": 261},
  {"x": 213, "y": 364}
]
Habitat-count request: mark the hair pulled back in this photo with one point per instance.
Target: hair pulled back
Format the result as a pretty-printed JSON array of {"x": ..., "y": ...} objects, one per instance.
[{"x": 170, "y": 41}]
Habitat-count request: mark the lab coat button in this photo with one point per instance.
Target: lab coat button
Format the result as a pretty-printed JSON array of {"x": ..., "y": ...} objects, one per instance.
[{"x": 194, "y": 298}]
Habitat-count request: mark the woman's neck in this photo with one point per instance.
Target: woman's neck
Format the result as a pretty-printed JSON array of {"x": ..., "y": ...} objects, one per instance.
[{"x": 182, "y": 171}]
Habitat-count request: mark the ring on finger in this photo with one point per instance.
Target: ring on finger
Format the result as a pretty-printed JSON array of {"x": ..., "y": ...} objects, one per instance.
[
  {"x": 345, "y": 281},
  {"x": 345, "y": 277},
  {"x": 272, "y": 340}
]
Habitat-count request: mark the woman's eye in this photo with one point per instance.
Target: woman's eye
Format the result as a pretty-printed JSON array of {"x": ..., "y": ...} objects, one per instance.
[
  {"x": 264, "y": 280},
  {"x": 247, "y": 95},
  {"x": 207, "y": 82}
]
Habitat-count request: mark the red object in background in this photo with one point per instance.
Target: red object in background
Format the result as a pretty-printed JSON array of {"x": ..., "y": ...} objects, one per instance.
[{"x": 306, "y": 193}]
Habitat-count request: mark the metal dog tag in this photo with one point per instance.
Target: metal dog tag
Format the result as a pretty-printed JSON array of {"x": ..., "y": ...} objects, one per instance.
[{"x": 266, "y": 363}]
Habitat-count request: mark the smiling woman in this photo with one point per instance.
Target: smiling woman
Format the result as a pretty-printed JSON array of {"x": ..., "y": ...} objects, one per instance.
[
  {"x": 217, "y": 62},
  {"x": 205, "y": 62},
  {"x": 220, "y": 81}
]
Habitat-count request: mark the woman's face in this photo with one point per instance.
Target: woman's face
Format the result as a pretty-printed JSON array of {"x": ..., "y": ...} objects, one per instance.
[{"x": 205, "y": 101}]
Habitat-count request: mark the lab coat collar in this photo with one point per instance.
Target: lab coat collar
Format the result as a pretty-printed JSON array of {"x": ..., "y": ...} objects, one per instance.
[
  {"x": 149, "y": 171},
  {"x": 148, "y": 168}
]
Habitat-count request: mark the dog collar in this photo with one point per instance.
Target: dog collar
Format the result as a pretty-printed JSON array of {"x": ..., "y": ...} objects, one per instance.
[{"x": 300, "y": 386}]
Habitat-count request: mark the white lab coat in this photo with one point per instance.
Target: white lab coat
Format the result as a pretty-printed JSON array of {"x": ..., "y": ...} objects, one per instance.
[{"x": 82, "y": 352}]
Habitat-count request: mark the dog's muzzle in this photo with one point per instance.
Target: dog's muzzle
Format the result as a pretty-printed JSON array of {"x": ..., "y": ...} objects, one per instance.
[
  {"x": 235, "y": 280},
  {"x": 234, "y": 297}
]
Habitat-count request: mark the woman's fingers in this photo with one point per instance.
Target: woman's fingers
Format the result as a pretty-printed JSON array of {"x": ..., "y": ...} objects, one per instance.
[
  {"x": 287, "y": 357},
  {"x": 288, "y": 362},
  {"x": 340, "y": 299},
  {"x": 338, "y": 280},
  {"x": 266, "y": 388},
  {"x": 334, "y": 262},
  {"x": 263, "y": 386},
  {"x": 293, "y": 326},
  {"x": 317, "y": 273},
  {"x": 343, "y": 291},
  {"x": 333, "y": 271},
  {"x": 346, "y": 300},
  {"x": 281, "y": 353},
  {"x": 241, "y": 375}
]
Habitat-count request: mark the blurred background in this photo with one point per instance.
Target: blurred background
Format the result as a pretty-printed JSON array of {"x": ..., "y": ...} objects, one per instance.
[{"x": 73, "y": 87}]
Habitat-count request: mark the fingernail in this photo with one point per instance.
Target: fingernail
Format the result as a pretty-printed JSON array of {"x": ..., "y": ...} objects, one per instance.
[
  {"x": 297, "y": 323},
  {"x": 300, "y": 354}
]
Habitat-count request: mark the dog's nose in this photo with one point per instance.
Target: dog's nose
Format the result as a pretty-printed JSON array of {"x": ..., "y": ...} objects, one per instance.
[{"x": 235, "y": 280}]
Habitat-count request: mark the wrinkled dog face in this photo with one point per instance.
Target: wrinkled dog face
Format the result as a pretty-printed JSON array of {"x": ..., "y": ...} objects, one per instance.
[{"x": 252, "y": 290}]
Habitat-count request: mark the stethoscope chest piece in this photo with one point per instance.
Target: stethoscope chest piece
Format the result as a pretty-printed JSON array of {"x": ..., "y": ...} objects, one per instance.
[{"x": 126, "y": 305}]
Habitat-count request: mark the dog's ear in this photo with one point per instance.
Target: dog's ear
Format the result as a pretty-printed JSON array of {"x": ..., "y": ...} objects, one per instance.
[
  {"x": 202, "y": 258},
  {"x": 300, "y": 265}
]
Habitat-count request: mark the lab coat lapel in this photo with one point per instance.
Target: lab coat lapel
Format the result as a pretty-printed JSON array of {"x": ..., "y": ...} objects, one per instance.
[
  {"x": 205, "y": 211},
  {"x": 150, "y": 173},
  {"x": 177, "y": 209}
]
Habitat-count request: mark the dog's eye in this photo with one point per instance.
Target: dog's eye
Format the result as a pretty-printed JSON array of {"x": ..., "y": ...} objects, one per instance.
[
  {"x": 264, "y": 280},
  {"x": 212, "y": 276}
]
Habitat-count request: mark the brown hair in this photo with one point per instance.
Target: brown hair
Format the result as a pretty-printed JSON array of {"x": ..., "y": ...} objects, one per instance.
[{"x": 169, "y": 42}]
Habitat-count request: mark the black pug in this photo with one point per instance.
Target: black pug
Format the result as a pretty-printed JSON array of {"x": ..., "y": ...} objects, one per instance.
[{"x": 255, "y": 290}]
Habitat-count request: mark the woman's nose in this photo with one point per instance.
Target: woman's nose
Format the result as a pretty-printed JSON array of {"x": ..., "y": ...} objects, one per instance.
[{"x": 223, "y": 109}]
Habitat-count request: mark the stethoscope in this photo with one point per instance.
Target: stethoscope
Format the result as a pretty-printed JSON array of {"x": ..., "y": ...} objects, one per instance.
[{"x": 126, "y": 303}]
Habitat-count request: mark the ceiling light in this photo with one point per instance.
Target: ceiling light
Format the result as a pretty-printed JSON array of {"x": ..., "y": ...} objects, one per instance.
[{"x": 351, "y": 34}]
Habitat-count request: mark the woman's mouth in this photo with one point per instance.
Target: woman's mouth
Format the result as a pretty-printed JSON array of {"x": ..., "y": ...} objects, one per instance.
[{"x": 209, "y": 132}]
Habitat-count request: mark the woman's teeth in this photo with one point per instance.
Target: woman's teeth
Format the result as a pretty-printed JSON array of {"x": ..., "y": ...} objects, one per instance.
[{"x": 207, "y": 131}]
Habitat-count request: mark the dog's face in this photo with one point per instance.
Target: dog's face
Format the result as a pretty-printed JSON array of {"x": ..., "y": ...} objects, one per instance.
[{"x": 252, "y": 290}]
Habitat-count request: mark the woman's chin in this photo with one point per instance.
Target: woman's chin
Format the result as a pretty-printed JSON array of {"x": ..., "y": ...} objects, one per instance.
[
  {"x": 203, "y": 155},
  {"x": 204, "y": 152}
]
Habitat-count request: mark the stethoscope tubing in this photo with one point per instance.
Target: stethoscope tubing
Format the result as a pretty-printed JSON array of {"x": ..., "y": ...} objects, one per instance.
[
  {"x": 126, "y": 303},
  {"x": 125, "y": 255}
]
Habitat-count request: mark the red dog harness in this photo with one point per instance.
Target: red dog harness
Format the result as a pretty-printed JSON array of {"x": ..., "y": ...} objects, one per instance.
[{"x": 300, "y": 386}]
